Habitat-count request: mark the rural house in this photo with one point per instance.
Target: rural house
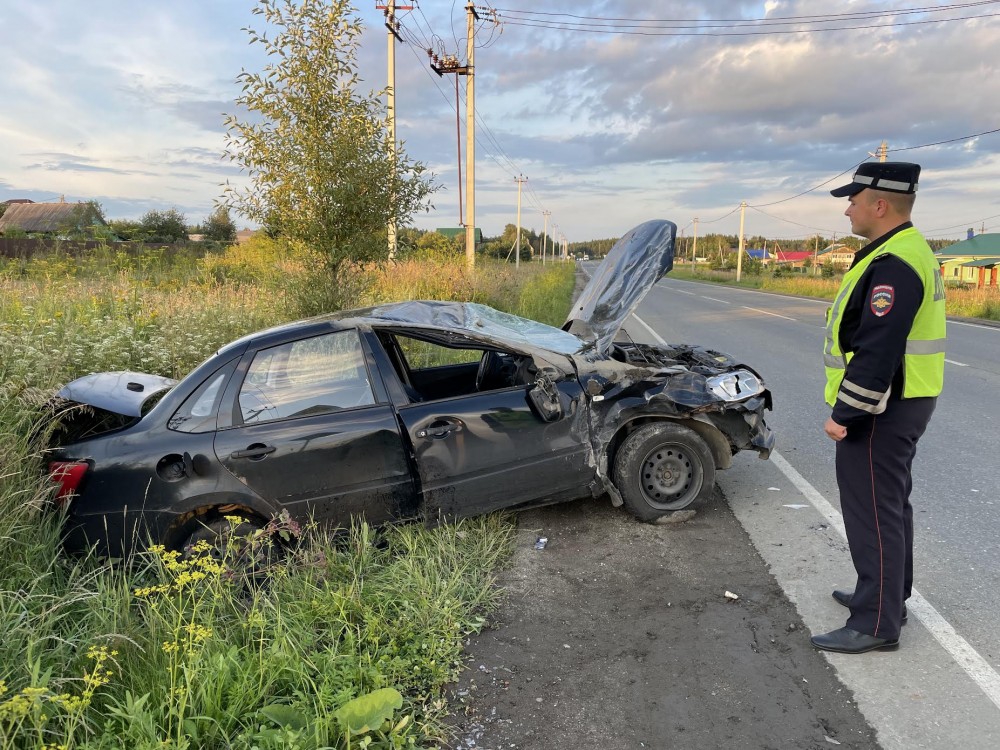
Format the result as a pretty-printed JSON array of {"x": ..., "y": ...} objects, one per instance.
[
  {"x": 48, "y": 218},
  {"x": 972, "y": 261}
]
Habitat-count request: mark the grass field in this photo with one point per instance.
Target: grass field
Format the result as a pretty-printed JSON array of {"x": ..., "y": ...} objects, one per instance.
[
  {"x": 961, "y": 301},
  {"x": 346, "y": 642}
]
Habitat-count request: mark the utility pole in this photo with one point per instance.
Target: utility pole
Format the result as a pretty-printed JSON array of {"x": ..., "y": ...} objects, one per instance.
[
  {"x": 545, "y": 233},
  {"x": 815, "y": 255},
  {"x": 470, "y": 136},
  {"x": 739, "y": 258},
  {"x": 694, "y": 250},
  {"x": 520, "y": 180},
  {"x": 449, "y": 64},
  {"x": 881, "y": 152},
  {"x": 393, "y": 26}
]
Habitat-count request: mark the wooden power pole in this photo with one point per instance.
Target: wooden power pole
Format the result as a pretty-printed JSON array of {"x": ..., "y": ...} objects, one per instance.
[{"x": 392, "y": 25}]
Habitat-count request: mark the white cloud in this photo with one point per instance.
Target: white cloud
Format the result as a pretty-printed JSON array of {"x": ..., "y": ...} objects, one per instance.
[{"x": 125, "y": 102}]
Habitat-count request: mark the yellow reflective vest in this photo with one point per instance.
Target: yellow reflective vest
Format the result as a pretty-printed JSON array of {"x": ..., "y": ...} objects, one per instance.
[{"x": 923, "y": 361}]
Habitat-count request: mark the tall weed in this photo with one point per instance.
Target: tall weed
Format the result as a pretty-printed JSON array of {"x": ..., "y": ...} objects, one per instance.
[{"x": 347, "y": 632}]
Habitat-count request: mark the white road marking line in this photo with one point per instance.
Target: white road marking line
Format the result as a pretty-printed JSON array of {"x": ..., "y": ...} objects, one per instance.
[
  {"x": 714, "y": 299},
  {"x": 765, "y": 312},
  {"x": 648, "y": 328},
  {"x": 684, "y": 291},
  {"x": 972, "y": 325},
  {"x": 957, "y": 647},
  {"x": 953, "y": 362}
]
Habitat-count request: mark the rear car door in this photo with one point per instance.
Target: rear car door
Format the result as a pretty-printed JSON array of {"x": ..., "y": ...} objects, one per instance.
[{"x": 309, "y": 433}]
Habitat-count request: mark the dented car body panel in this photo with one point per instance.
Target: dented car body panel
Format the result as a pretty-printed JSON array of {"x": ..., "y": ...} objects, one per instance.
[{"x": 415, "y": 409}]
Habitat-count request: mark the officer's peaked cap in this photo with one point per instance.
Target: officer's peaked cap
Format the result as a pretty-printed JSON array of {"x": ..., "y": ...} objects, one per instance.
[{"x": 892, "y": 176}]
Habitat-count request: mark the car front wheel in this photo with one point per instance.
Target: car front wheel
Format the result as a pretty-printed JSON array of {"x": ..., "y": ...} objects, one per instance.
[{"x": 663, "y": 467}]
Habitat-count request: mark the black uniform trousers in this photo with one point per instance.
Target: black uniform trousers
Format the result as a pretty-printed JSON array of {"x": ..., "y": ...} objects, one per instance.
[{"x": 873, "y": 473}]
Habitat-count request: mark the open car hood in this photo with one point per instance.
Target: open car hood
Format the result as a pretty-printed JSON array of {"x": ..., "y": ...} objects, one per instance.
[
  {"x": 122, "y": 393},
  {"x": 635, "y": 263}
]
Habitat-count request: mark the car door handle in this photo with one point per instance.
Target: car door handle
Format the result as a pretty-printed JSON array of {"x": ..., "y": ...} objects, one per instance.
[
  {"x": 253, "y": 451},
  {"x": 440, "y": 429}
]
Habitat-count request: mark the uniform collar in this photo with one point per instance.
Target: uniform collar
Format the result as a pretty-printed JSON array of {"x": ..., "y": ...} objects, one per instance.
[{"x": 875, "y": 244}]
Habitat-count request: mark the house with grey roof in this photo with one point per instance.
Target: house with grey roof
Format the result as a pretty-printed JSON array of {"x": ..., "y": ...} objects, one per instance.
[{"x": 49, "y": 218}]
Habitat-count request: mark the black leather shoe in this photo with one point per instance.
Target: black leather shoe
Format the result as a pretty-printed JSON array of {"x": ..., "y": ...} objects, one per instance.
[
  {"x": 847, "y": 641},
  {"x": 844, "y": 597}
]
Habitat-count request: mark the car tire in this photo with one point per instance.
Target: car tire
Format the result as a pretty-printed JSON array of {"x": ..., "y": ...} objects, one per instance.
[
  {"x": 663, "y": 467},
  {"x": 234, "y": 539}
]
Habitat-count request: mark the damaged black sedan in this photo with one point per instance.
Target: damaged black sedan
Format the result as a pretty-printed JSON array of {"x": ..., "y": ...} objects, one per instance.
[{"x": 407, "y": 410}]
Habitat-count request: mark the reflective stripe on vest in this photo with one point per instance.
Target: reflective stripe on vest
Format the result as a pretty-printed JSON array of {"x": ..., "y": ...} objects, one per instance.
[{"x": 923, "y": 361}]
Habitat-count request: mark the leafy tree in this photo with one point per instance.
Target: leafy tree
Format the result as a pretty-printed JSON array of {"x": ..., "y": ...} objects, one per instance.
[
  {"x": 318, "y": 154},
  {"x": 219, "y": 227},
  {"x": 86, "y": 221},
  {"x": 125, "y": 229},
  {"x": 162, "y": 226}
]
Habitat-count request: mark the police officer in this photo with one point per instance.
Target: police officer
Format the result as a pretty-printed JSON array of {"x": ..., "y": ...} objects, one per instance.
[{"x": 884, "y": 358}]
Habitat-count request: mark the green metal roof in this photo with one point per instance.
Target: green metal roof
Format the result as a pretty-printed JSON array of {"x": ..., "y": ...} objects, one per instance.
[
  {"x": 982, "y": 263},
  {"x": 980, "y": 245}
]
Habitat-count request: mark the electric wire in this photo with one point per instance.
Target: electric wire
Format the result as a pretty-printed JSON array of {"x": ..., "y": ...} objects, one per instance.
[
  {"x": 789, "y": 221},
  {"x": 775, "y": 19},
  {"x": 479, "y": 143},
  {"x": 562, "y": 27},
  {"x": 686, "y": 27}
]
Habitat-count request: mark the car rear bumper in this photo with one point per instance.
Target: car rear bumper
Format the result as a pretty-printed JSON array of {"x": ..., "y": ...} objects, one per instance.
[{"x": 116, "y": 534}]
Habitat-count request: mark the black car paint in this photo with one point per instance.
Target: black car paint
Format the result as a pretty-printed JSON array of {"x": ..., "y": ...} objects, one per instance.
[{"x": 548, "y": 436}]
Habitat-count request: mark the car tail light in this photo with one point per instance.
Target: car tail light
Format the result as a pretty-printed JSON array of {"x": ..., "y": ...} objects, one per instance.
[{"x": 67, "y": 475}]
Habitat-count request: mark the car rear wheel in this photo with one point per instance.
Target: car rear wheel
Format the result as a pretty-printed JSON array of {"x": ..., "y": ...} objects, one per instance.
[
  {"x": 237, "y": 541},
  {"x": 663, "y": 467}
]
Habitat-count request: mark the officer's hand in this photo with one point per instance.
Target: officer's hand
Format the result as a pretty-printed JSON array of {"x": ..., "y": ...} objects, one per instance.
[{"x": 836, "y": 431}]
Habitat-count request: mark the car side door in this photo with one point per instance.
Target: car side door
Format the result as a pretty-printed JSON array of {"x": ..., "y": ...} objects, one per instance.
[
  {"x": 310, "y": 433},
  {"x": 481, "y": 450}
]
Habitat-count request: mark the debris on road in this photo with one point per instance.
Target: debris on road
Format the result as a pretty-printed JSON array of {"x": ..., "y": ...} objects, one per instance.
[{"x": 680, "y": 516}]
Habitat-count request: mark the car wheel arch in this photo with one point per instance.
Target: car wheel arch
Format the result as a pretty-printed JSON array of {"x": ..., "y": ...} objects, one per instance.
[
  {"x": 717, "y": 442},
  {"x": 207, "y": 509}
]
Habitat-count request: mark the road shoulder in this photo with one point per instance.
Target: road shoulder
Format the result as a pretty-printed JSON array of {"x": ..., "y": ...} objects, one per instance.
[{"x": 620, "y": 634}]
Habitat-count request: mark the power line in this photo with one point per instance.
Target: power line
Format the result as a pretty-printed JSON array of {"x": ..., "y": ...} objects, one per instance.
[
  {"x": 713, "y": 221},
  {"x": 789, "y": 221},
  {"x": 950, "y": 140},
  {"x": 510, "y": 168},
  {"x": 825, "y": 17},
  {"x": 806, "y": 192},
  {"x": 686, "y": 27},
  {"x": 964, "y": 224}
]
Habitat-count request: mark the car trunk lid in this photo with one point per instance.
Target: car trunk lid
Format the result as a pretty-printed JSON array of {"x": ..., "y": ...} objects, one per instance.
[{"x": 125, "y": 393}]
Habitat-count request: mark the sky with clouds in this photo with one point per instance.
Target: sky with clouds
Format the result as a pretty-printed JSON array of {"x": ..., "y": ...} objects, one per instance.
[{"x": 616, "y": 111}]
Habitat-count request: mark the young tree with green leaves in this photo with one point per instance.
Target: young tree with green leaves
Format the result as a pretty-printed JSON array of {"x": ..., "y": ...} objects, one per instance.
[
  {"x": 85, "y": 222},
  {"x": 219, "y": 227},
  {"x": 163, "y": 226},
  {"x": 318, "y": 153}
]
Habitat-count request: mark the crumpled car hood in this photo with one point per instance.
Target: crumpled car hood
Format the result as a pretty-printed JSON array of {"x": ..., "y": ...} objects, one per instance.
[
  {"x": 122, "y": 393},
  {"x": 635, "y": 263}
]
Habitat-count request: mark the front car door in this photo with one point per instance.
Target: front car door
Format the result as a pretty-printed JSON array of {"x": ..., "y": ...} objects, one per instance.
[
  {"x": 479, "y": 450},
  {"x": 310, "y": 434}
]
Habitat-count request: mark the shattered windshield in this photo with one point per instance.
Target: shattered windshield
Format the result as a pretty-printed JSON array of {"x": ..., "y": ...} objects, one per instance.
[{"x": 481, "y": 322}]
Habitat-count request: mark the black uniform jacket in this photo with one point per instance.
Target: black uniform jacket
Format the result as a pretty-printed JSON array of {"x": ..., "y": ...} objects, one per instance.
[{"x": 876, "y": 321}]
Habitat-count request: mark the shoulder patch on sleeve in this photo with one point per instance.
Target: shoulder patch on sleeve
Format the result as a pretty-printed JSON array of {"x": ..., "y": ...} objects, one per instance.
[{"x": 883, "y": 296}]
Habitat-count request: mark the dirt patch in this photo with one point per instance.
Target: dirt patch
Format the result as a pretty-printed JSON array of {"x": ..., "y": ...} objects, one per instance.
[{"x": 620, "y": 635}]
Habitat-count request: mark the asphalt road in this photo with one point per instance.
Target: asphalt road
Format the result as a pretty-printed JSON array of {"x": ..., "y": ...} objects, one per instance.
[{"x": 942, "y": 688}]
